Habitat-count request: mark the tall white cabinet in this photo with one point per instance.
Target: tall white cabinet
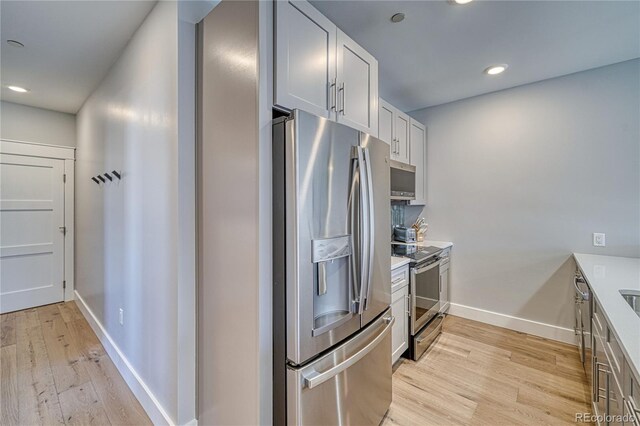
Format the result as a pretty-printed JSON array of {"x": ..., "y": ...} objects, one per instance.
[
  {"x": 418, "y": 158},
  {"x": 319, "y": 69},
  {"x": 394, "y": 128},
  {"x": 408, "y": 140},
  {"x": 305, "y": 61}
]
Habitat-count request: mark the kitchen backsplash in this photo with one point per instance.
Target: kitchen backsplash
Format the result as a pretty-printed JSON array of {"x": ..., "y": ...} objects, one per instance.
[{"x": 404, "y": 215}]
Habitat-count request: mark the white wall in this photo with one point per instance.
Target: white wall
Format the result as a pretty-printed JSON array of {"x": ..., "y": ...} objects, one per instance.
[
  {"x": 136, "y": 238},
  {"x": 520, "y": 179},
  {"x": 28, "y": 124}
]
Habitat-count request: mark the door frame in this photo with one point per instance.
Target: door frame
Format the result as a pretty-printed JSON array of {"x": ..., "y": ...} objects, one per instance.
[{"x": 68, "y": 154}]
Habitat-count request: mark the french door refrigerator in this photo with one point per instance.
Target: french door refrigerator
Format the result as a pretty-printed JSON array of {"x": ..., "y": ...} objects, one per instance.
[{"x": 332, "y": 322}]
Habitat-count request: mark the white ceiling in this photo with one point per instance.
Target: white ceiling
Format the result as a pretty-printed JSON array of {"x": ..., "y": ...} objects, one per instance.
[
  {"x": 437, "y": 54},
  {"x": 69, "y": 47}
]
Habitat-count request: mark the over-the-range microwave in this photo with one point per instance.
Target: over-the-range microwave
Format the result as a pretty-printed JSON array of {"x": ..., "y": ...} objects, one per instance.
[{"x": 403, "y": 181}]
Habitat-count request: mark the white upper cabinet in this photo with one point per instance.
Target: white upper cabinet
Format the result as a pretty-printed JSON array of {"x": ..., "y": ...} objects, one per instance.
[
  {"x": 402, "y": 124},
  {"x": 394, "y": 127},
  {"x": 385, "y": 121},
  {"x": 305, "y": 58},
  {"x": 321, "y": 70},
  {"x": 418, "y": 154},
  {"x": 357, "y": 77}
]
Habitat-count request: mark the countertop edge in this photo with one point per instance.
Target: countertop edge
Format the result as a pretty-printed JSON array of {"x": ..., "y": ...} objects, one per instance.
[{"x": 631, "y": 361}]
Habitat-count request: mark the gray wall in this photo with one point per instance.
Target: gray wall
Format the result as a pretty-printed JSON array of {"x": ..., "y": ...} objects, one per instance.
[
  {"x": 29, "y": 124},
  {"x": 520, "y": 179},
  {"x": 234, "y": 292},
  {"x": 135, "y": 244}
]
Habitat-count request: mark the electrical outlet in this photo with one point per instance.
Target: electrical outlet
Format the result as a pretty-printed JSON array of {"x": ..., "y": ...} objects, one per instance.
[
  {"x": 598, "y": 239},
  {"x": 121, "y": 316}
]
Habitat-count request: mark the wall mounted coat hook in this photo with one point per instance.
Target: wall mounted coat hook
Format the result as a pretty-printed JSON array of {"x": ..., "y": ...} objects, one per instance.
[
  {"x": 101, "y": 178},
  {"x": 116, "y": 174},
  {"x": 95, "y": 180},
  {"x": 108, "y": 176}
]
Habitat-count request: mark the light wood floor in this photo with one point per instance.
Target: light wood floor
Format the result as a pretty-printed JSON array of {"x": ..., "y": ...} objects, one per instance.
[
  {"x": 478, "y": 374},
  {"x": 55, "y": 371}
]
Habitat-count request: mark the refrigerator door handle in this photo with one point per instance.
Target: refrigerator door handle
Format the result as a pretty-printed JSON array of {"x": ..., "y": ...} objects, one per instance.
[
  {"x": 365, "y": 221},
  {"x": 316, "y": 378},
  {"x": 357, "y": 217},
  {"x": 370, "y": 232}
]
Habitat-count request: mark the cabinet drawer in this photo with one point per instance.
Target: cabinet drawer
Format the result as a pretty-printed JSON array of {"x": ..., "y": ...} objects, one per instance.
[
  {"x": 615, "y": 355},
  {"x": 631, "y": 393},
  {"x": 399, "y": 278},
  {"x": 598, "y": 321}
]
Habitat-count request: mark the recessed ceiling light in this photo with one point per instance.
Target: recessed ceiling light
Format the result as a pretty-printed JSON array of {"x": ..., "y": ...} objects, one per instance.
[
  {"x": 496, "y": 69},
  {"x": 460, "y": 1},
  {"x": 18, "y": 89},
  {"x": 14, "y": 43},
  {"x": 398, "y": 17}
]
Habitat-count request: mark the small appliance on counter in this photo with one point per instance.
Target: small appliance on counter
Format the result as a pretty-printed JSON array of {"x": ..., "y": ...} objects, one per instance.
[{"x": 404, "y": 234}]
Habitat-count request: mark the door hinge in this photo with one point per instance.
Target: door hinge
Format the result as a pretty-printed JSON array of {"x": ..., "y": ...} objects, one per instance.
[
  {"x": 64, "y": 178},
  {"x": 64, "y": 285}
]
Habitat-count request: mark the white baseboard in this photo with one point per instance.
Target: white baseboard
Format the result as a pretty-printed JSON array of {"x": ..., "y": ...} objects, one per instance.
[
  {"x": 561, "y": 334},
  {"x": 149, "y": 402}
]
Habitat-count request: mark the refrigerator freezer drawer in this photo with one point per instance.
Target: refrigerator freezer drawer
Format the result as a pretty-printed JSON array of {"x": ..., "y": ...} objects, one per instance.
[{"x": 349, "y": 386}]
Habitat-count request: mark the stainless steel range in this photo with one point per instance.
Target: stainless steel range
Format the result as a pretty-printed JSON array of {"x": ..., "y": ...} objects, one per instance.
[{"x": 425, "y": 291}]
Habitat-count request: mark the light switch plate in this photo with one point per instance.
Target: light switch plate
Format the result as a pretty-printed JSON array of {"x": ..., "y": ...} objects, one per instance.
[{"x": 599, "y": 239}]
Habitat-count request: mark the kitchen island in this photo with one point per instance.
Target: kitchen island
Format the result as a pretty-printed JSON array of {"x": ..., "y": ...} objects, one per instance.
[{"x": 606, "y": 276}]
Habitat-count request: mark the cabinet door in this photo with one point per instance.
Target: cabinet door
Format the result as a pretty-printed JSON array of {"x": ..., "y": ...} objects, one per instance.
[
  {"x": 385, "y": 123},
  {"x": 418, "y": 158},
  {"x": 357, "y": 86},
  {"x": 305, "y": 59},
  {"x": 402, "y": 125},
  {"x": 400, "y": 330},
  {"x": 600, "y": 384}
]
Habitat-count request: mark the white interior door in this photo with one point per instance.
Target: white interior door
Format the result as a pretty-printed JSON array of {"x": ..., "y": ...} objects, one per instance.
[{"x": 31, "y": 233}]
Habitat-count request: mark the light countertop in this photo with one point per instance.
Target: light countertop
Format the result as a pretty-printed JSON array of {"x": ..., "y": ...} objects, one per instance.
[
  {"x": 607, "y": 275},
  {"x": 397, "y": 261}
]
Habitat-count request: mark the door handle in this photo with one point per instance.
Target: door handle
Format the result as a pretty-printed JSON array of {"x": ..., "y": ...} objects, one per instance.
[
  {"x": 633, "y": 411},
  {"x": 332, "y": 95},
  {"x": 342, "y": 100},
  {"x": 370, "y": 223},
  {"x": 316, "y": 379}
]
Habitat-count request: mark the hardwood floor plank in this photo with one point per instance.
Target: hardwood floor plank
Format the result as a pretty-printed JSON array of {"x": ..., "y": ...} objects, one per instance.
[
  {"x": 8, "y": 386},
  {"x": 69, "y": 311},
  {"x": 60, "y": 361},
  {"x": 81, "y": 406},
  {"x": 86, "y": 340},
  {"x": 121, "y": 406},
  {"x": 512, "y": 379},
  {"x": 8, "y": 330},
  {"x": 64, "y": 355},
  {"x": 38, "y": 399}
]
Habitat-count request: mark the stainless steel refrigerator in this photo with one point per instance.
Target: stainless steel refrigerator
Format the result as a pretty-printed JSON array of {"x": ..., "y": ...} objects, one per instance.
[{"x": 331, "y": 289}]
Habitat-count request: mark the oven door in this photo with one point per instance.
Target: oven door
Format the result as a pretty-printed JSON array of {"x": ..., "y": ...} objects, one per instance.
[{"x": 425, "y": 295}]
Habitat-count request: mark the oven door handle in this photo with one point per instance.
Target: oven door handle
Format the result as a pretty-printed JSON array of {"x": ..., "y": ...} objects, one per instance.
[{"x": 426, "y": 268}]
